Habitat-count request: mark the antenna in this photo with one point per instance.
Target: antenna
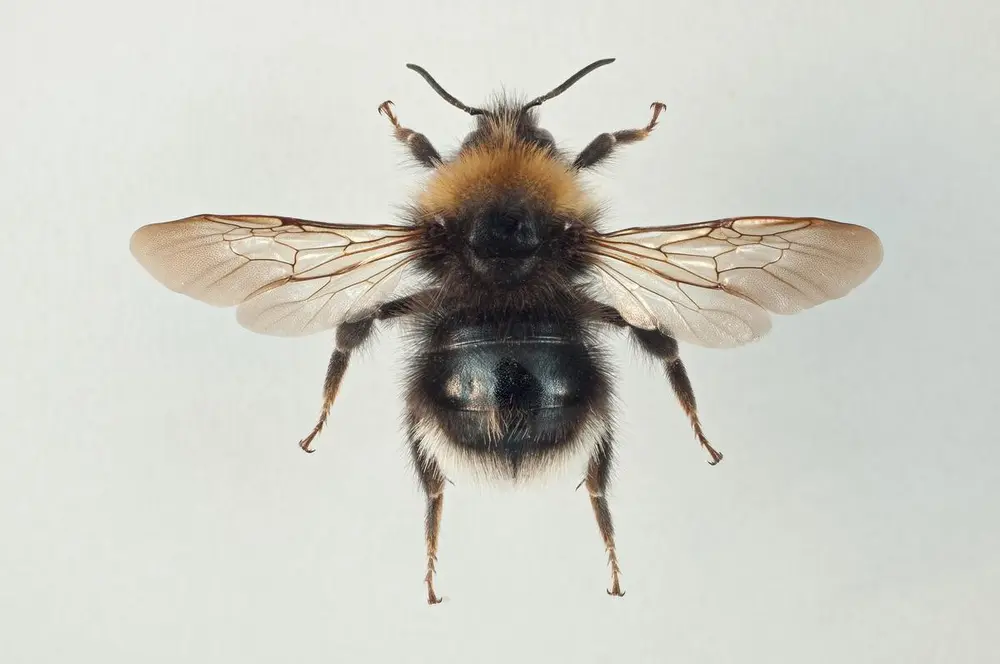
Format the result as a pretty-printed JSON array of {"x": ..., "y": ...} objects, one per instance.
[
  {"x": 567, "y": 84},
  {"x": 444, "y": 93}
]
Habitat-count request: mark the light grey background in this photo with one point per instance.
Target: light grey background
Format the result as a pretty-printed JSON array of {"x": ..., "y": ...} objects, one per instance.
[{"x": 154, "y": 506}]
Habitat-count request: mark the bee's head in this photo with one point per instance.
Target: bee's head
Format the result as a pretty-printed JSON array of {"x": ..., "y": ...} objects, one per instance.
[
  {"x": 502, "y": 242},
  {"x": 508, "y": 207},
  {"x": 505, "y": 212}
]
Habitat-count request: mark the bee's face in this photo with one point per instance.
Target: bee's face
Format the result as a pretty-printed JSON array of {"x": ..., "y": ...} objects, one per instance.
[
  {"x": 503, "y": 242},
  {"x": 505, "y": 204}
]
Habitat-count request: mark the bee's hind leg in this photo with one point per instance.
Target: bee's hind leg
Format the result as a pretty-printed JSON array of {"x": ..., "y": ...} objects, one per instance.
[
  {"x": 597, "y": 481},
  {"x": 432, "y": 481}
]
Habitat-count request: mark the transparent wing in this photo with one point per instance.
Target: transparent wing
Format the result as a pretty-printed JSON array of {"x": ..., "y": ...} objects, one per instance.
[
  {"x": 713, "y": 283},
  {"x": 288, "y": 277}
]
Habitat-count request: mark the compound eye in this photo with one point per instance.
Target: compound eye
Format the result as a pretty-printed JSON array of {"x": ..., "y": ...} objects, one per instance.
[
  {"x": 472, "y": 138},
  {"x": 544, "y": 137}
]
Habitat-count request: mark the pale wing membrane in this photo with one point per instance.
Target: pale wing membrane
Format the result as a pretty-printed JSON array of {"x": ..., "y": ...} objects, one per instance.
[
  {"x": 288, "y": 277},
  {"x": 714, "y": 283}
]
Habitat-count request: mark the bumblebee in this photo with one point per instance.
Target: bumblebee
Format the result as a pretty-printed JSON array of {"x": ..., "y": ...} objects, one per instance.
[{"x": 507, "y": 288}]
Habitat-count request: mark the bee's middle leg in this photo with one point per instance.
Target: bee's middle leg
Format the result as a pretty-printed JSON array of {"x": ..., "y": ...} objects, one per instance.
[
  {"x": 664, "y": 347},
  {"x": 350, "y": 336}
]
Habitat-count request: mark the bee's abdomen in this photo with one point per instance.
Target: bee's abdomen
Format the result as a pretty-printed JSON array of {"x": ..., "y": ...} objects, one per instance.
[
  {"x": 479, "y": 373},
  {"x": 508, "y": 396}
]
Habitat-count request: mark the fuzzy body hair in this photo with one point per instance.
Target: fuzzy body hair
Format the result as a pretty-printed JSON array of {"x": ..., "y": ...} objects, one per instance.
[
  {"x": 508, "y": 151},
  {"x": 507, "y": 161},
  {"x": 484, "y": 438},
  {"x": 506, "y": 168}
]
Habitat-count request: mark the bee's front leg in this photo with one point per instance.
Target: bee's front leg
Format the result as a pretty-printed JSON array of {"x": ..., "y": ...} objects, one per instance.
[
  {"x": 601, "y": 147},
  {"x": 419, "y": 146}
]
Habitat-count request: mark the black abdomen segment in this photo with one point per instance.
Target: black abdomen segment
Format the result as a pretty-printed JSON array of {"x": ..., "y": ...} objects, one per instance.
[
  {"x": 525, "y": 375},
  {"x": 519, "y": 392}
]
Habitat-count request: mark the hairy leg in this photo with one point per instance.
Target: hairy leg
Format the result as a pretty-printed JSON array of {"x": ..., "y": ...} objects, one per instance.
[
  {"x": 601, "y": 147},
  {"x": 432, "y": 481},
  {"x": 419, "y": 146},
  {"x": 597, "y": 481},
  {"x": 350, "y": 336},
  {"x": 664, "y": 347}
]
